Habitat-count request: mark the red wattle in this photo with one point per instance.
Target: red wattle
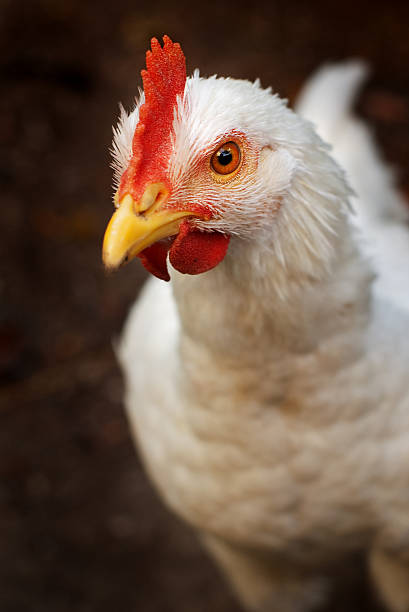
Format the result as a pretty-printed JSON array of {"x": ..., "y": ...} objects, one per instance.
[
  {"x": 154, "y": 258},
  {"x": 194, "y": 251},
  {"x": 191, "y": 252}
]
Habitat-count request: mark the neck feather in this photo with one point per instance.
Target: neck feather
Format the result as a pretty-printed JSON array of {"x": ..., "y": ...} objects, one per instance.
[{"x": 239, "y": 310}]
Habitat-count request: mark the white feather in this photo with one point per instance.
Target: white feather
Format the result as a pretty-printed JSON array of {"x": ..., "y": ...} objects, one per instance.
[
  {"x": 270, "y": 396},
  {"x": 382, "y": 213},
  {"x": 121, "y": 149}
]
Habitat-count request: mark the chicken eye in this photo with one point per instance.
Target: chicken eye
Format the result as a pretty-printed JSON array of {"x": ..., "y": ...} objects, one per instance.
[{"x": 226, "y": 159}]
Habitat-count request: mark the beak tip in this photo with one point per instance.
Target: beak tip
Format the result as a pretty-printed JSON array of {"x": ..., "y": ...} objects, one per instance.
[
  {"x": 129, "y": 231},
  {"x": 110, "y": 263}
]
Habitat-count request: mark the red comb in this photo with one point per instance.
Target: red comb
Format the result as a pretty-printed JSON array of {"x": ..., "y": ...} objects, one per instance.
[{"x": 163, "y": 80}]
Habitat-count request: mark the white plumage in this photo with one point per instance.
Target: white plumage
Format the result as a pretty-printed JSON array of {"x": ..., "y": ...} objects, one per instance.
[{"x": 269, "y": 397}]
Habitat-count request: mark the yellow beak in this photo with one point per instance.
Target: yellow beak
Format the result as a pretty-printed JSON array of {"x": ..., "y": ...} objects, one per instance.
[{"x": 136, "y": 225}]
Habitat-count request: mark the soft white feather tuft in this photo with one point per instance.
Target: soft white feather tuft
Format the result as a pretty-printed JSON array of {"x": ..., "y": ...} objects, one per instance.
[
  {"x": 328, "y": 95},
  {"x": 121, "y": 149}
]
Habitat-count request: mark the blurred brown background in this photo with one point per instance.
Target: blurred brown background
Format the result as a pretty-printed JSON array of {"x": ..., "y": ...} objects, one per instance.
[{"x": 81, "y": 528}]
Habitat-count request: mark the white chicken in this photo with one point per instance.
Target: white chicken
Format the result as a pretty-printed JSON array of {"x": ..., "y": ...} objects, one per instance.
[{"x": 267, "y": 384}]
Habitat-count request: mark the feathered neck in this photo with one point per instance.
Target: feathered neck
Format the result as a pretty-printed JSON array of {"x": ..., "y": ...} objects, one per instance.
[{"x": 239, "y": 312}]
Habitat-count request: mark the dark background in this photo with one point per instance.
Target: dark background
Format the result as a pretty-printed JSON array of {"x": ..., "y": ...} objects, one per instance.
[{"x": 81, "y": 528}]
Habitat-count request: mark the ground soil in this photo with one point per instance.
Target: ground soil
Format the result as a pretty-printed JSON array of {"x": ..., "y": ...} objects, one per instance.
[{"x": 82, "y": 529}]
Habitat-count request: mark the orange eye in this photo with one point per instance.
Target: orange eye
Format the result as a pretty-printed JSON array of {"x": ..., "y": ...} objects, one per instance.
[{"x": 226, "y": 159}]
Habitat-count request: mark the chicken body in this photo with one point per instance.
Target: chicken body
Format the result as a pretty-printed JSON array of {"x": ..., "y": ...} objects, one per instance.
[
  {"x": 285, "y": 451},
  {"x": 269, "y": 396}
]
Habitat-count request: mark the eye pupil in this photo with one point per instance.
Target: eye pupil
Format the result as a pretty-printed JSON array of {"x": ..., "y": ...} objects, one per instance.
[{"x": 225, "y": 157}]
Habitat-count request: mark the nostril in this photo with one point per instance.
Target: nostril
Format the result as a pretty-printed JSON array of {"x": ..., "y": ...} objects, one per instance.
[
  {"x": 153, "y": 197},
  {"x": 160, "y": 198}
]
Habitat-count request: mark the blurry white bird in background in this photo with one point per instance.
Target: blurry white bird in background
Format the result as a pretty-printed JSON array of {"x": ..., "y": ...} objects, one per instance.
[{"x": 267, "y": 384}]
